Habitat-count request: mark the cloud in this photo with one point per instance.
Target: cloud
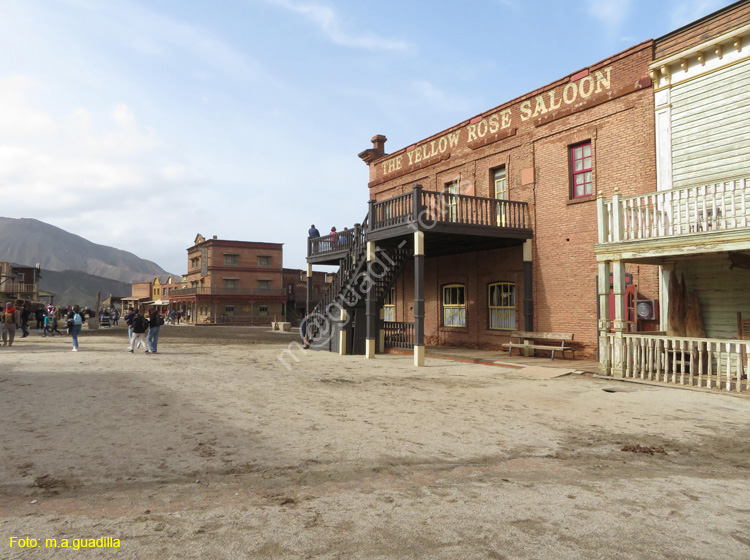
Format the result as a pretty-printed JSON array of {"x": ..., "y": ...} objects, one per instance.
[
  {"x": 441, "y": 100},
  {"x": 612, "y": 13},
  {"x": 330, "y": 23}
]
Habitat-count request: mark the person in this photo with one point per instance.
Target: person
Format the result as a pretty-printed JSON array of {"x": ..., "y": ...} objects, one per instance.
[
  {"x": 53, "y": 329},
  {"x": 75, "y": 323},
  {"x": 10, "y": 319},
  {"x": 128, "y": 318},
  {"x": 155, "y": 321},
  {"x": 140, "y": 328},
  {"x": 25, "y": 314},
  {"x": 47, "y": 326},
  {"x": 313, "y": 232},
  {"x": 39, "y": 315}
]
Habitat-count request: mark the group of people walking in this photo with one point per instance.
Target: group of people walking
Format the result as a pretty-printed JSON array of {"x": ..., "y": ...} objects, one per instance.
[
  {"x": 47, "y": 319},
  {"x": 142, "y": 330}
]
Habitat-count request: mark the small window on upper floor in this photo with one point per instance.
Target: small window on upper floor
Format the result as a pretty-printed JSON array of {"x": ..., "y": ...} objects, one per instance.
[
  {"x": 231, "y": 283},
  {"x": 231, "y": 260},
  {"x": 264, "y": 284},
  {"x": 581, "y": 170},
  {"x": 264, "y": 260}
]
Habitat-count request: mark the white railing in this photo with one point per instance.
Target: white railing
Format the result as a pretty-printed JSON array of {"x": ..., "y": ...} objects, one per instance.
[
  {"x": 696, "y": 362},
  {"x": 689, "y": 210}
]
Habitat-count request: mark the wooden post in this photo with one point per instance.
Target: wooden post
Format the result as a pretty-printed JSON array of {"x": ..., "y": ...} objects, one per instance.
[
  {"x": 370, "y": 303},
  {"x": 528, "y": 287},
  {"x": 605, "y": 363},
  {"x": 618, "y": 283},
  {"x": 308, "y": 305},
  {"x": 419, "y": 349}
]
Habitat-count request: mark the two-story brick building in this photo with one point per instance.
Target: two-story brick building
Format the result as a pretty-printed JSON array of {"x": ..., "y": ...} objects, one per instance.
[
  {"x": 233, "y": 282},
  {"x": 489, "y": 226}
]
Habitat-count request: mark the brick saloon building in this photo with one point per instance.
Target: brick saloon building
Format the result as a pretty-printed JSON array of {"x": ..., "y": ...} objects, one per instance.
[
  {"x": 232, "y": 282},
  {"x": 489, "y": 227}
]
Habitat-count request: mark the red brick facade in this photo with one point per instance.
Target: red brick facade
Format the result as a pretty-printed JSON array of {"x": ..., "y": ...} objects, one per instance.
[
  {"x": 609, "y": 104},
  {"x": 229, "y": 280}
]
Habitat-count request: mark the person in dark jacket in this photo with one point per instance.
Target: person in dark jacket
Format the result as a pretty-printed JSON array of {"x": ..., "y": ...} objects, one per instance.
[
  {"x": 155, "y": 321},
  {"x": 313, "y": 232},
  {"x": 128, "y": 318},
  {"x": 140, "y": 328}
]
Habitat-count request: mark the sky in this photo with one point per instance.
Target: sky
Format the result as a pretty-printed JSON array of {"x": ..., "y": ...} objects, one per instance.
[{"x": 139, "y": 124}]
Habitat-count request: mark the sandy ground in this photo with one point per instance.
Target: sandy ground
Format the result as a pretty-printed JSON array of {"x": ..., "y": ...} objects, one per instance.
[{"x": 214, "y": 449}]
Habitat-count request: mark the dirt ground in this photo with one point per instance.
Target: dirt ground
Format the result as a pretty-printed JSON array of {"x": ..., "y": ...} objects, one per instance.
[{"x": 214, "y": 449}]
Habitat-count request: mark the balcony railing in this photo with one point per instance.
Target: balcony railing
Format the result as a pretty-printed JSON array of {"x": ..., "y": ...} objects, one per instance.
[
  {"x": 16, "y": 288},
  {"x": 697, "y": 362},
  {"x": 690, "y": 210},
  {"x": 339, "y": 242},
  {"x": 427, "y": 208},
  {"x": 398, "y": 335},
  {"x": 255, "y": 292}
]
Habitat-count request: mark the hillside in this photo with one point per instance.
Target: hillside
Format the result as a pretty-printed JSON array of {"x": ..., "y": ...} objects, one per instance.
[
  {"x": 28, "y": 241},
  {"x": 73, "y": 287}
]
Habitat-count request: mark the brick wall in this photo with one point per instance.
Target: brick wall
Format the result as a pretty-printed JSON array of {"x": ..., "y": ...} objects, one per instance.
[{"x": 619, "y": 122}]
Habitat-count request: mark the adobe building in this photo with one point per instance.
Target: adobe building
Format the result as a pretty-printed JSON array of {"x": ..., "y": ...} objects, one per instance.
[
  {"x": 231, "y": 282},
  {"x": 489, "y": 227},
  {"x": 694, "y": 225}
]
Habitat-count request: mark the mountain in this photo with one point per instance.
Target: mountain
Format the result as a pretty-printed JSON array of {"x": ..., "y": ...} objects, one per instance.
[
  {"x": 73, "y": 287},
  {"x": 27, "y": 241}
]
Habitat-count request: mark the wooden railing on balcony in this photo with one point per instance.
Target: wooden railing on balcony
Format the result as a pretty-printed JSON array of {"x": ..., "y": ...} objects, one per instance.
[
  {"x": 689, "y": 210},
  {"x": 697, "y": 362},
  {"x": 339, "y": 242},
  {"x": 398, "y": 335},
  {"x": 254, "y": 292},
  {"x": 424, "y": 209},
  {"x": 16, "y": 288}
]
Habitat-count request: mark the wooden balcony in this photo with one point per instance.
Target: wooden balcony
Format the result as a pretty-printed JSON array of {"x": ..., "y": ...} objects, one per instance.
[
  {"x": 228, "y": 292},
  {"x": 705, "y": 218},
  {"x": 17, "y": 289},
  {"x": 452, "y": 223}
]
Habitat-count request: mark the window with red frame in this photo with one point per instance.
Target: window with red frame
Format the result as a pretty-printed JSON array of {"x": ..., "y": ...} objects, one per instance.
[{"x": 582, "y": 170}]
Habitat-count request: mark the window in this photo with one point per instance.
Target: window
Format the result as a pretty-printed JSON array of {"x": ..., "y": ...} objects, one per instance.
[
  {"x": 581, "y": 170},
  {"x": 501, "y": 303},
  {"x": 229, "y": 310},
  {"x": 231, "y": 260},
  {"x": 231, "y": 283},
  {"x": 263, "y": 310},
  {"x": 264, "y": 260},
  {"x": 500, "y": 183},
  {"x": 389, "y": 306},
  {"x": 454, "y": 305},
  {"x": 21, "y": 277},
  {"x": 264, "y": 284},
  {"x": 195, "y": 262},
  {"x": 451, "y": 201}
]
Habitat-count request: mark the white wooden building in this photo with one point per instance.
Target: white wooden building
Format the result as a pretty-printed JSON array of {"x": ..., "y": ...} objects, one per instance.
[{"x": 696, "y": 223}]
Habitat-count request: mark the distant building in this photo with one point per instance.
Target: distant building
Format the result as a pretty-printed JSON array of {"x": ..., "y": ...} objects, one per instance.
[
  {"x": 232, "y": 282},
  {"x": 295, "y": 281},
  {"x": 19, "y": 282}
]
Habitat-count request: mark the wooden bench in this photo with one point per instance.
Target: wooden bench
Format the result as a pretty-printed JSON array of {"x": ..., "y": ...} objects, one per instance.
[{"x": 528, "y": 341}]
